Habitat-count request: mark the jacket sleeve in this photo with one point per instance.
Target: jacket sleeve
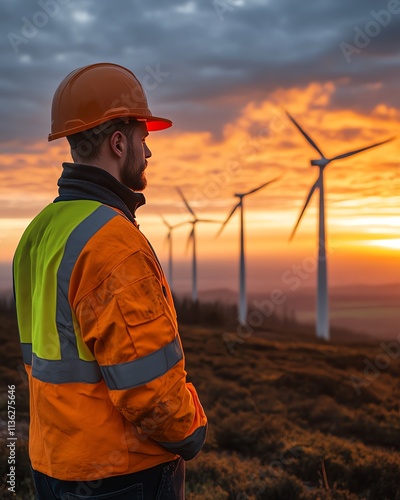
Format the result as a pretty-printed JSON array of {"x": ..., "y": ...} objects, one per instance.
[{"x": 129, "y": 325}]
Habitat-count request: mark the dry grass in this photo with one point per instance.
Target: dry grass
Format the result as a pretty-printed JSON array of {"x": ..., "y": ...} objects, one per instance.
[{"x": 282, "y": 410}]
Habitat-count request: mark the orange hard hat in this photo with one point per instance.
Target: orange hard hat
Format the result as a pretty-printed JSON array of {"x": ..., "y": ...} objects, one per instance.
[{"x": 98, "y": 93}]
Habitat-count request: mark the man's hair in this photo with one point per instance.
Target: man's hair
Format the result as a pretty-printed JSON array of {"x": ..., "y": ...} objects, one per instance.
[{"x": 86, "y": 145}]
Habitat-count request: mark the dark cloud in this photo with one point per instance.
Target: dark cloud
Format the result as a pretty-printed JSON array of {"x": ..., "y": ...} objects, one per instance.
[{"x": 214, "y": 56}]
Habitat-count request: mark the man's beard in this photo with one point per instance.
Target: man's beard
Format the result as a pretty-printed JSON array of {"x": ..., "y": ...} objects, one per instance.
[{"x": 131, "y": 176}]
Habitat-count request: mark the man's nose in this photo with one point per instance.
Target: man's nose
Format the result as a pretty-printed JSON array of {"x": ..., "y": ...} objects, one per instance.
[{"x": 147, "y": 152}]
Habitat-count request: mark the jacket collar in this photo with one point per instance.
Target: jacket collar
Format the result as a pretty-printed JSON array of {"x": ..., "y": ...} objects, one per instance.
[{"x": 84, "y": 182}]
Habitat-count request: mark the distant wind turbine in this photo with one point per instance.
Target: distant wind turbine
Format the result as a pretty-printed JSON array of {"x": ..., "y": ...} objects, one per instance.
[
  {"x": 169, "y": 241},
  {"x": 242, "y": 262},
  {"x": 322, "y": 327},
  {"x": 192, "y": 239}
]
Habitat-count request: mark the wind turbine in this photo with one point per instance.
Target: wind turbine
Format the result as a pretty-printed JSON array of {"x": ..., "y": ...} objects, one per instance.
[
  {"x": 322, "y": 326},
  {"x": 169, "y": 240},
  {"x": 242, "y": 262},
  {"x": 192, "y": 238}
]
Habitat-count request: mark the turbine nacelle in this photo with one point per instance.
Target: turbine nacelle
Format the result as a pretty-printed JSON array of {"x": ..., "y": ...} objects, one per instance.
[
  {"x": 240, "y": 202},
  {"x": 322, "y": 162}
]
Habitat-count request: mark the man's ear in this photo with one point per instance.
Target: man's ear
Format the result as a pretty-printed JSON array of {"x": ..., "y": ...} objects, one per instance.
[{"x": 117, "y": 143}]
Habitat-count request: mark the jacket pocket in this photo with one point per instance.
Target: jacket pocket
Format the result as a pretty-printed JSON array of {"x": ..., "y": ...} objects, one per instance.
[{"x": 141, "y": 301}]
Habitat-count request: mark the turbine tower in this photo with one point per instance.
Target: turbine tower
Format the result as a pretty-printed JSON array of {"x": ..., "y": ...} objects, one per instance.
[
  {"x": 192, "y": 239},
  {"x": 322, "y": 326},
  {"x": 169, "y": 241},
  {"x": 242, "y": 261}
]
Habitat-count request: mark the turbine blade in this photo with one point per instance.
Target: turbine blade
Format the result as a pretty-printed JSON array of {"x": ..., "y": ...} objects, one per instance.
[
  {"x": 262, "y": 186},
  {"x": 227, "y": 219},
  {"x": 314, "y": 187},
  {"x": 308, "y": 138},
  {"x": 185, "y": 202},
  {"x": 190, "y": 238},
  {"x": 208, "y": 220},
  {"x": 180, "y": 224},
  {"x": 351, "y": 153},
  {"x": 165, "y": 222}
]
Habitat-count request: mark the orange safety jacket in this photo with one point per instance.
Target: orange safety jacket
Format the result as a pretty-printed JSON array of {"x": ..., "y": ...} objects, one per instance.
[{"x": 99, "y": 336}]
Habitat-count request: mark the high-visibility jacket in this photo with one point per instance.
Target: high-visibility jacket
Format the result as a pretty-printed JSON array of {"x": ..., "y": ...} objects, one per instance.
[{"x": 99, "y": 336}]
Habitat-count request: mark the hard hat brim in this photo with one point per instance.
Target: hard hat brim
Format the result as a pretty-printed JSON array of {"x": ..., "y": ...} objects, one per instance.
[
  {"x": 153, "y": 123},
  {"x": 156, "y": 123}
]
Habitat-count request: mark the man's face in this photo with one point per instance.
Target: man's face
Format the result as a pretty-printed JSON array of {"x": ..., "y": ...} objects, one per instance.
[{"x": 132, "y": 173}]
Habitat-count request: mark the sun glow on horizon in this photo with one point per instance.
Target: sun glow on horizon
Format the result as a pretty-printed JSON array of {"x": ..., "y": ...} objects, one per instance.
[{"x": 393, "y": 244}]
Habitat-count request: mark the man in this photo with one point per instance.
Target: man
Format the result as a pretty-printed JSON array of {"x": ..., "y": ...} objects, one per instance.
[{"x": 112, "y": 415}]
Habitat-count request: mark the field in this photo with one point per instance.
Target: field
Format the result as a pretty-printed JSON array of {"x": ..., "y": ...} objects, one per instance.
[{"x": 290, "y": 417}]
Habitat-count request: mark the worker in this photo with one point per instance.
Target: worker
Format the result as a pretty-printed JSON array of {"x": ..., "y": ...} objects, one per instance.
[{"x": 111, "y": 413}]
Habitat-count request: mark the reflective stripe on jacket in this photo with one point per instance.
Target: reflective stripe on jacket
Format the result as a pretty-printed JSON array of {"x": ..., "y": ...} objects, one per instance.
[{"x": 100, "y": 342}]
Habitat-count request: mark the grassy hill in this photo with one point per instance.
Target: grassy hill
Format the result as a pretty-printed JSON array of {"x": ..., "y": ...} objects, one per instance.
[
  {"x": 290, "y": 417},
  {"x": 285, "y": 412}
]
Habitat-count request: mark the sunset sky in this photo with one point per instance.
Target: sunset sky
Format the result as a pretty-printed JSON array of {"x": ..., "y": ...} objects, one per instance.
[{"x": 224, "y": 72}]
